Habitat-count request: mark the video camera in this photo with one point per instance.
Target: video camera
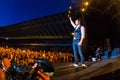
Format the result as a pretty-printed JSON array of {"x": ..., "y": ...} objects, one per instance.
[{"x": 23, "y": 72}]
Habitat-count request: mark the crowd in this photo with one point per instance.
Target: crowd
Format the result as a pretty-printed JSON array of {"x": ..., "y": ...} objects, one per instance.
[
  {"x": 20, "y": 58},
  {"x": 26, "y": 56}
]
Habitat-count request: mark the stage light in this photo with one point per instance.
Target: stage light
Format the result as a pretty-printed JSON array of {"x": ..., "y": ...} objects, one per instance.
[
  {"x": 83, "y": 9},
  {"x": 72, "y": 33},
  {"x": 6, "y": 38},
  {"x": 86, "y": 3},
  {"x": 70, "y": 7}
]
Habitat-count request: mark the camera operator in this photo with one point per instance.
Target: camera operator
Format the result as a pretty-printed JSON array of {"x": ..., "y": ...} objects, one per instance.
[{"x": 5, "y": 71}]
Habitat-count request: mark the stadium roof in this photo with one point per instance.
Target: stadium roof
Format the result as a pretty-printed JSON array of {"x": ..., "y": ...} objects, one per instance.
[{"x": 102, "y": 20}]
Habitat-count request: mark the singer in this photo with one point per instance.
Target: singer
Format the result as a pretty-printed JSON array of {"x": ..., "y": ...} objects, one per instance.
[{"x": 79, "y": 35}]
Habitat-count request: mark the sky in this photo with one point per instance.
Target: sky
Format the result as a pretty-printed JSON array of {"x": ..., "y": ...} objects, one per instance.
[{"x": 18, "y": 11}]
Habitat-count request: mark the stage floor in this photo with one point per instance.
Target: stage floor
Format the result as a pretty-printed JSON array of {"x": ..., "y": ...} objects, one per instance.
[{"x": 103, "y": 70}]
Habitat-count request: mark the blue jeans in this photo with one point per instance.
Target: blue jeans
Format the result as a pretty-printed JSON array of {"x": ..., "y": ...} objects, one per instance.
[{"x": 77, "y": 49}]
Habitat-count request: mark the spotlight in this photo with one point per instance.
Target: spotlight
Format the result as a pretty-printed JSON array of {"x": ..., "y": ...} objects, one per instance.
[
  {"x": 83, "y": 10},
  {"x": 86, "y": 3}
]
